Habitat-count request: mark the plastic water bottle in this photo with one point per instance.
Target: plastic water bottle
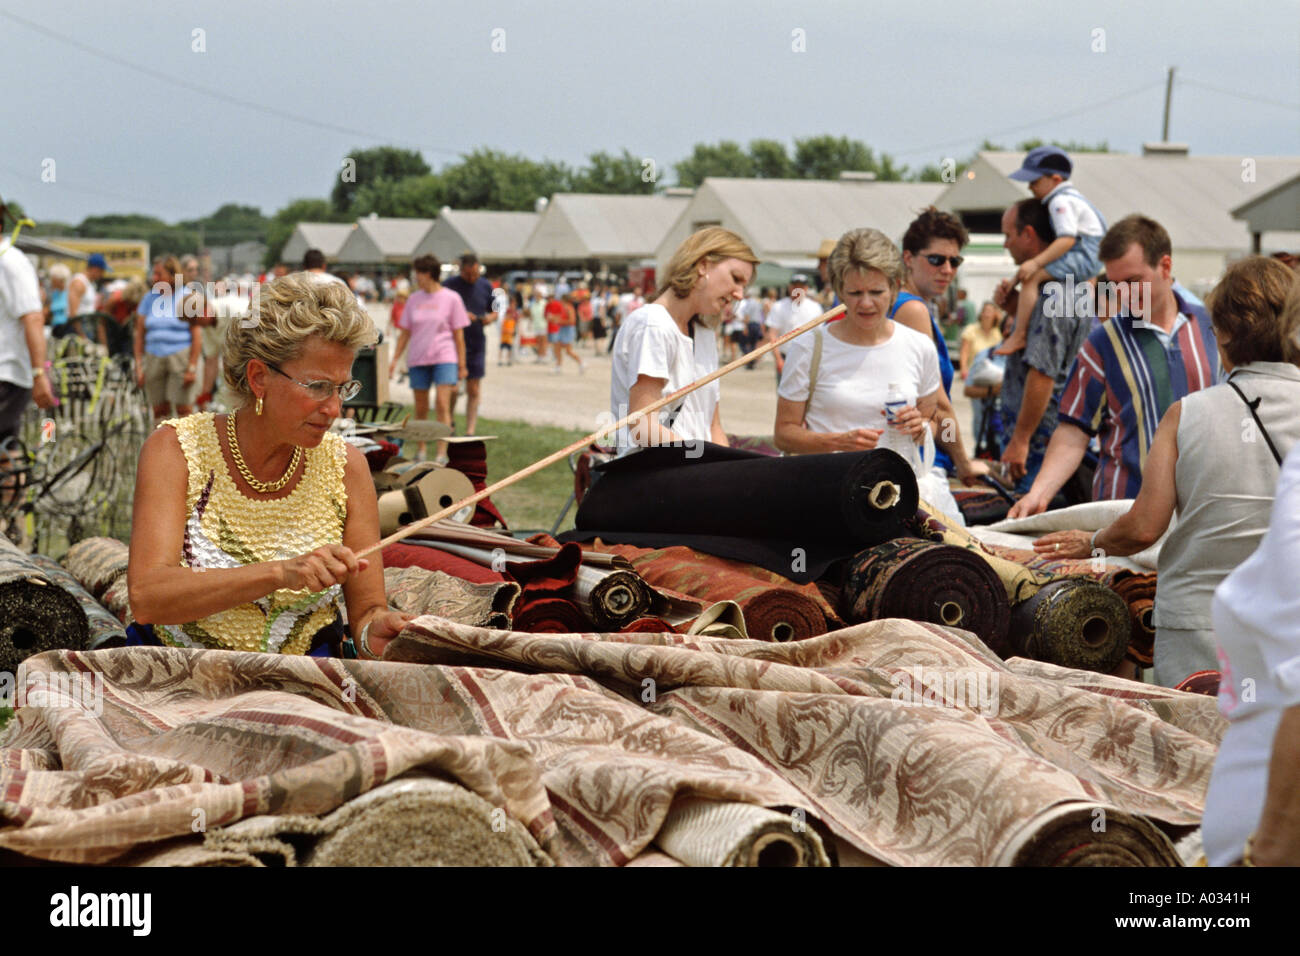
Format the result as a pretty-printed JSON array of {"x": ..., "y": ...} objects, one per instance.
[{"x": 892, "y": 438}]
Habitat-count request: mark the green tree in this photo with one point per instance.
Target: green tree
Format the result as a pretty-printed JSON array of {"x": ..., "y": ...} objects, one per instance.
[
  {"x": 770, "y": 160},
  {"x": 417, "y": 197},
  {"x": 230, "y": 224},
  {"x": 280, "y": 226},
  {"x": 488, "y": 179},
  {"x": 724, "y": 159},
  {"x": 1070, "y": 146},
  {"x": 163, "y": 239},
  {"x": 825, "y": 157},
  {"x": 624, "y": 175},
  {"x": 367, "y": 167}
]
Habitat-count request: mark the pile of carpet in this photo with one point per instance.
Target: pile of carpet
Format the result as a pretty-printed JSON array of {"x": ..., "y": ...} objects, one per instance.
[{"x": 890, "y": 742}]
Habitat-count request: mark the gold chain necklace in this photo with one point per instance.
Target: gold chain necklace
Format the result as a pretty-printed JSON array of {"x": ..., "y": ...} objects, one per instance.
[{"x": 262, "y": 487}]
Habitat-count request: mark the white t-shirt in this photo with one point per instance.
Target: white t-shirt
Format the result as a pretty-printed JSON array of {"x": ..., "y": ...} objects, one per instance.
[
  {"x": 1071, "y": 215},
  {"x": 1256, "y": 613},
  {"x": 853, "y": 380},
  {"x": 649, "y": 343},
  {"x": 20, "y": 293},
  {"x": 88, "y": 294},
  {"x": 786, "y": 315}
]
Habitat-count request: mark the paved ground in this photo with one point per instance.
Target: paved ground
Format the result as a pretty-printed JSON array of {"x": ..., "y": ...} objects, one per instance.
[{"x": 532, "y": 392}]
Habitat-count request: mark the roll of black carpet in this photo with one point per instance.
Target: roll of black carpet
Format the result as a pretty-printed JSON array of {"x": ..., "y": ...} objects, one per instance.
[
  {"x": 927, "y": 581},
  {"x": 35, "y": 613},
  {"x": 105, "y": 630},
  {"x": 793, "y": 516},
  {"x": 1073, "y": 622}
]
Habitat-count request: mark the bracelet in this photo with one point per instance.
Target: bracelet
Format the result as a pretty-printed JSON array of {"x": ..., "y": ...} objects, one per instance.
[
  {"x": 1248, "y": 851},
  {"x": 1092, "y": 543},
  {"x": 363, "y": 643}
]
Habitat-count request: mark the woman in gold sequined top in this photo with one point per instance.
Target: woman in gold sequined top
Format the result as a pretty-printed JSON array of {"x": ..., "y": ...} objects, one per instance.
[{"x": 246, "y": 525}]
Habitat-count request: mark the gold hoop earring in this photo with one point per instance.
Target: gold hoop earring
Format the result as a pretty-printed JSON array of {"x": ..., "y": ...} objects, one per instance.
[{"x": 257, "y": 409}]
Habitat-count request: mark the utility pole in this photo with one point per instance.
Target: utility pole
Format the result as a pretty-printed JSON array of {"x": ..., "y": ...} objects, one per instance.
[{"x": 1169, "y": 95}]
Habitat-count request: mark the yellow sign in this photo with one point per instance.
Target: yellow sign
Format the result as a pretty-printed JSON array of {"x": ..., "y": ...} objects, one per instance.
[{"x": 127, "y": 258}]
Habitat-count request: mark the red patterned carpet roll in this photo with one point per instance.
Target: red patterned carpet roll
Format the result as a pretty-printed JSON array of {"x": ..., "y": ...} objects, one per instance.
[
  {"x": 928, "y": 581},
  {"x": 431, "y": 559},
  {"x": 551, "y": 615}
]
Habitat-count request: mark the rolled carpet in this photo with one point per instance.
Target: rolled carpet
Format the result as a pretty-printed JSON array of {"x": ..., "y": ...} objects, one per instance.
[
  {"x": 430, "y": 557},
  {"x": 1088, "y": 834},
  {"x": 105, "y": 629},
  {"x": 927, "y": 581},
  {"x": 470, "y": 459},
  {"x": 118, "y": 600},
  {"x": 411, "y": 821},
  {"x": 1139, "y": 592},
  {"x": 648, "y": 625},
  {"x": 35, "y": 613},
  {"x": 751, "y": 507},
  {"x": 1072, "y": 622},
  {"x": 775, "y": 609},
  {"x": 611, "y": 598},
  {"x": 550, "y": 615},
  {"x": 716, "y": 833},
  {"x": 435, "y": 592},
  {"x": 97, "y": 563}
]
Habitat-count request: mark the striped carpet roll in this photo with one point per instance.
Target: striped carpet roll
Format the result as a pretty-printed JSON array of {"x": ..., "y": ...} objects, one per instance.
[
  {"x": 718, "y": 833},
  {"x": 97, "y": 563},
  {"x": 1073, "y": 622},
  {"x": 927, "y": 581}
]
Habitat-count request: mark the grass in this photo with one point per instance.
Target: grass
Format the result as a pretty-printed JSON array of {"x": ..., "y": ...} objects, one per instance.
[
  {"x": 5, "y": 714},
  {"x": 533, "y": 503}
]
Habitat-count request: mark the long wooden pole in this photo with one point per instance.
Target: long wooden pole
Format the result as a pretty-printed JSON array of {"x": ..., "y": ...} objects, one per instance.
[{"x": 600, "y": 433}]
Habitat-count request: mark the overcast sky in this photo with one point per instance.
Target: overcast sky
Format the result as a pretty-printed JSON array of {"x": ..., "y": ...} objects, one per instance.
[{"x": 919, "y": 80}]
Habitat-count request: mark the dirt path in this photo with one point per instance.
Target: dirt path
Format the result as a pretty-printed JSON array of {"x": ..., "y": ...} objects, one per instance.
[{"x": 532, "y": 392}]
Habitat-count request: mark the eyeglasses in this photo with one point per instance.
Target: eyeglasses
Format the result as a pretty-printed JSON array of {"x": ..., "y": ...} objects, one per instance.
[
  {"x": 322, "y": 390},
  {"x": 937, "y": 260}
]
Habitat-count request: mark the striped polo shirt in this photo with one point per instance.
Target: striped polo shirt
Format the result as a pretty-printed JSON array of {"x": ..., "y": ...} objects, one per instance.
[{"x": 1123, "y": 381}]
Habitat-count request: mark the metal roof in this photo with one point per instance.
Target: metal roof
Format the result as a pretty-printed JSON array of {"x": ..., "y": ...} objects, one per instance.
[
  {"x": 328, "y": 237},
  {"x": 1191, "y": 196},
  {"x": 490, "y": 235},
  {"x": 789, "y": 218},
  {"x": 577, "y": 226},
  {"x": 377, "y": 240}
]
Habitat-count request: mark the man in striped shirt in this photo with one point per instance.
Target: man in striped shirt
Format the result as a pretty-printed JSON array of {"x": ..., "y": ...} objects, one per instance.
[{"x": 1156, "y": 349}]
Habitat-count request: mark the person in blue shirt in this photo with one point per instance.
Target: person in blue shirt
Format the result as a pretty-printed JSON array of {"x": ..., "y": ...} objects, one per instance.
[
  {"x": 931, "y": 255},
  {"x": 167, "y": 347},
  {"x": 476, "y": 293}
]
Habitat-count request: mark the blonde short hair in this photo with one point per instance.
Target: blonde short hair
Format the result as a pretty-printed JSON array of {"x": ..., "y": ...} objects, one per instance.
[
  {"x": 287, "y": 312},
  {"x": 60, "y": 271},
  {"x": 709, "y": 245},
  {"x": 864, "y": 249}
]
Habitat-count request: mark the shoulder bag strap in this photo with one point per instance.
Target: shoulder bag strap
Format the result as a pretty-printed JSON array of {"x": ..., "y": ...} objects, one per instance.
[
  {"x": 813, "y": 367},
  {"x": 1255, "y": 415}
]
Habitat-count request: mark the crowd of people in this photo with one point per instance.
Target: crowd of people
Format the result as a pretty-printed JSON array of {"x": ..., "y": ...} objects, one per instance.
[{"x": 1134, "y": 390}]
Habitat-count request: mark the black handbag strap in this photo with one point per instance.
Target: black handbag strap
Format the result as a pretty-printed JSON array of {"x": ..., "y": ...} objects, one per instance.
[{"x": 1255, "y": 415}]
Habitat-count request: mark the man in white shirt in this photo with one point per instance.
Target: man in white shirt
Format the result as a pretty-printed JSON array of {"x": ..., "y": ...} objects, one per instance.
[
  {"x": 22, "y": 345},
  {"x": 796, "y": 309}
]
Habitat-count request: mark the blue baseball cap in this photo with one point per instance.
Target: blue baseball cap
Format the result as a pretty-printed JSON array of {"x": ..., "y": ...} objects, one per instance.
[
  {"x": 97, "y": 260},
  {"x": 1043, "y": 161}
]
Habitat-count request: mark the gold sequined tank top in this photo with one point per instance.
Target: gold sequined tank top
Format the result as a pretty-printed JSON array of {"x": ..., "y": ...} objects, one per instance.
[{"x": 227, "y": 529}]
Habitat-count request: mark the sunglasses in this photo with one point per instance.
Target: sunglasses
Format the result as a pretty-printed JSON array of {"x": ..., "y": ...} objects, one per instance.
[
  {"x": 322, "y": 390},
  {"x": 937, "y": 260}
]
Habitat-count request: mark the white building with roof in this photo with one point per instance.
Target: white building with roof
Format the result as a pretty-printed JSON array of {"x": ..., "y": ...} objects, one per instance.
[
  {"x": 495, "y": 237},
  {"x": 785, "y": 220},
  {"x": 1193, "y": 197},
  {"x": 377, "y": 241},
  {"x": 328, "y": 237},
  {"x": 601, "y": 230}
]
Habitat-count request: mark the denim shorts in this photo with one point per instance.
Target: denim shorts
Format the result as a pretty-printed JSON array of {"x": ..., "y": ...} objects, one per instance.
[
  {"x": 567, "y": 335},
  {"x": 444, "y": 373},
  {"x": 1081, "y": 261}
]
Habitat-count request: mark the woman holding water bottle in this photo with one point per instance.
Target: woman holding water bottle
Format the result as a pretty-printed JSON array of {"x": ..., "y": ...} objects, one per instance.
[{"x": 839, "y": 379}]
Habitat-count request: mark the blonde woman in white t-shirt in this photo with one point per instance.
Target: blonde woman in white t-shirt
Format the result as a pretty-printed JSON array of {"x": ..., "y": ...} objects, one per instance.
[
  {"x": 664, "y": 345},
  {"x": 861, "y": 356}
]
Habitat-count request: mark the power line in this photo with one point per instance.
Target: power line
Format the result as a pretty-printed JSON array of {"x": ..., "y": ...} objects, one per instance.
[
  {"x": 208, "y": 91},
  {"x": 1033, "y": 124},
  {"x": 1244, "y": 96}
]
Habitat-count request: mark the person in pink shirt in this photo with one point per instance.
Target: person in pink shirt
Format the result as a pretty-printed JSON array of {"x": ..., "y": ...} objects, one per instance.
[{"x": 432, "y": 325}]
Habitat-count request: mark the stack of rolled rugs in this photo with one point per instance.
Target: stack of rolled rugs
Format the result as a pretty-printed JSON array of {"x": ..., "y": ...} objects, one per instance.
[{"x": 45, "y": 606}]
